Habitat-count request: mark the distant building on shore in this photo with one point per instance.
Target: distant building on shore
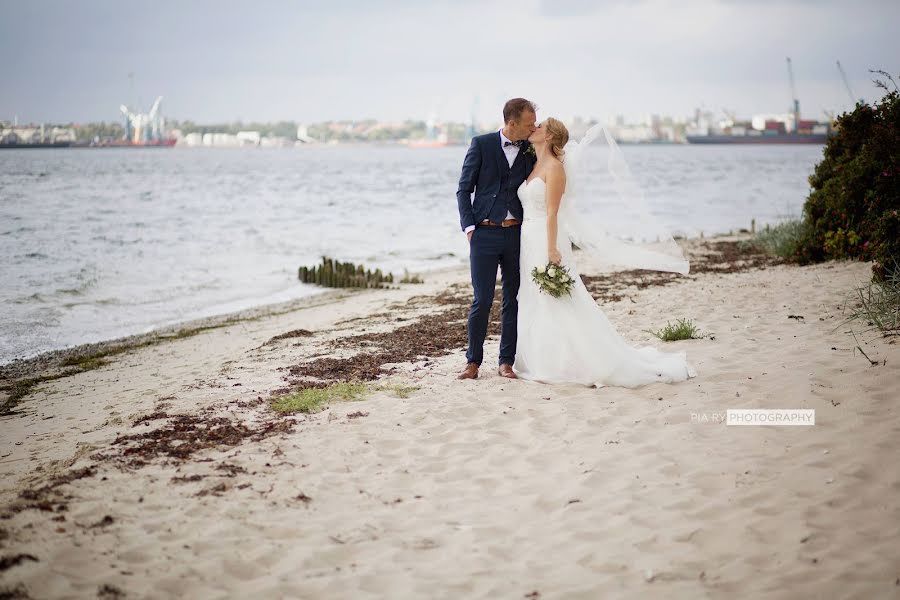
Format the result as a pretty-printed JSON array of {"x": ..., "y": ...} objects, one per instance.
[{"x": 35, "y": 135}]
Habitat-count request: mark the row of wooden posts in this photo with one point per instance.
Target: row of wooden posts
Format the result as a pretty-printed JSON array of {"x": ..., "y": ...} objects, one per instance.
[{"x": 332, "y": 273}]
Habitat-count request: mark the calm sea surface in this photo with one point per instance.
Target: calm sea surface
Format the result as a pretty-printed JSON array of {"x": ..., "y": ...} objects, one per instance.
[{"x": 97, "y": 244}]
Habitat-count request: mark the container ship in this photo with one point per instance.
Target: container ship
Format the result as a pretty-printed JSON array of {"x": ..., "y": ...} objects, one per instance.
[
  {"x": 774, "y": 132},
  {"x": 19, "y": 146},
  {"x": 765, "y": 129},
  {"x": 163, "y": 143}
]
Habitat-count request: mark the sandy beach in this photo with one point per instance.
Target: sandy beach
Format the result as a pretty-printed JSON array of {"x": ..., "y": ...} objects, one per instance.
[{"x": 163, "y": 472}]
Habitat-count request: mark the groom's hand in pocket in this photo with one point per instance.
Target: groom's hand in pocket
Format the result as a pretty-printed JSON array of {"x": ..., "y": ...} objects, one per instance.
[{"x": 469, "y": 235}]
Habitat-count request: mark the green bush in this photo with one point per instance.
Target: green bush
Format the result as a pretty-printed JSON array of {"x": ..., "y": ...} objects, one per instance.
[
  {"x": 683, "y": 329},
  {"x": 852, "y": 211}
]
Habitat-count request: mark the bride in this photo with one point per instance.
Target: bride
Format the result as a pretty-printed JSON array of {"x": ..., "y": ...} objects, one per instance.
[{"x": 569, "y": 339}]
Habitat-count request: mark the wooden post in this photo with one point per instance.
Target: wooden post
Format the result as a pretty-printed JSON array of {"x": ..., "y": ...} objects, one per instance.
[{"x": 753, "y": 226}]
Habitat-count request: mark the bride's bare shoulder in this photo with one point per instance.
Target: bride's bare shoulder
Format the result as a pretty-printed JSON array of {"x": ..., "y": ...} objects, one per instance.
[{"x": 556, "y": 170}]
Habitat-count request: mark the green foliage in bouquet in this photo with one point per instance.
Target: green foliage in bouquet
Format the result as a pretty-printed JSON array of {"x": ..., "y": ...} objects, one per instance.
[
  {"x": 853, "y": 210},
  {"x": 553, "y": 279}
]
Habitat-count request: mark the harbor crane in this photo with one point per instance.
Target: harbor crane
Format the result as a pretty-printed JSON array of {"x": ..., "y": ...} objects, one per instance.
[
  {"x": 143, "y": 127},
  {"x": 796, "y": 103},
  {"x": 847, "y": 85}
]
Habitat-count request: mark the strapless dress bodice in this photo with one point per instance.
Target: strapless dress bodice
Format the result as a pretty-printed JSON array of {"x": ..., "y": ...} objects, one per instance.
[{"x": 532, "y": 195}]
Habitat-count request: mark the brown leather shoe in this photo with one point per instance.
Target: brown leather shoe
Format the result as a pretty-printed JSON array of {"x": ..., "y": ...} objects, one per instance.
[
  {"x": 470, "y": 372},
  {"x": 506, "y": 371}
]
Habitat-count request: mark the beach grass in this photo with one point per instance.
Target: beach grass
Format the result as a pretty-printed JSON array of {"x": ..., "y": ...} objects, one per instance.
[
  {"x": 313, "y": 400},
  {"x": 683, "y": 329},
  {"x": 877, "y": 305},
  {"x": 781, "y": 240}
]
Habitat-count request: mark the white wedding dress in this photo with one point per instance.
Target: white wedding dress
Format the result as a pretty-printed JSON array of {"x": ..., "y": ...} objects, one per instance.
[{"x": 569, "y": 339}]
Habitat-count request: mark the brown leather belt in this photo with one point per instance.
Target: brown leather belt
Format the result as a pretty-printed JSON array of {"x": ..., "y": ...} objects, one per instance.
[{"x": 506, "y": 223}]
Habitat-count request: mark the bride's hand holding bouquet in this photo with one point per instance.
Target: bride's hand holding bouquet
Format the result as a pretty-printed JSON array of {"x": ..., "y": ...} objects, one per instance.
[{"x": 554, "y": 278}]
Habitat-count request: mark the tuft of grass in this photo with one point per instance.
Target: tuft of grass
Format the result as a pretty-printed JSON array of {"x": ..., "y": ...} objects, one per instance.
[
  {"x": 782, "y": 240},
  {"x": 399, "y": 390},
  {"x": 313, "y": 400},
  {"x": 877, "y": 304},
  {"x": 683, "y": 329}
]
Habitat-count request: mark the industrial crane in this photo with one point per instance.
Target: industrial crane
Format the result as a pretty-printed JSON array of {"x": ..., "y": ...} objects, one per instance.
[
  {"x": 796, "y": 105},
  {"x": 847, "y": 86},
  {"x": 155, "y": 120},
  {"x": 143, "y": 127}
]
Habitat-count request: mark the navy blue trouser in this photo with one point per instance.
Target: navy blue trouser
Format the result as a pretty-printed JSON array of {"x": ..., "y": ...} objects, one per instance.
[{"x": 490, "y": 247}]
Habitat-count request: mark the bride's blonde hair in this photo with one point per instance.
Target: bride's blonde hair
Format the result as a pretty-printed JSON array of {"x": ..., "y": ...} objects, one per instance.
[{"x": 558, "y": 136}]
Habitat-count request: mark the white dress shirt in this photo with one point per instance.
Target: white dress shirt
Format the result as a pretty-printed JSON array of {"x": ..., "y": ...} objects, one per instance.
[{"x": 511, "y": 153}]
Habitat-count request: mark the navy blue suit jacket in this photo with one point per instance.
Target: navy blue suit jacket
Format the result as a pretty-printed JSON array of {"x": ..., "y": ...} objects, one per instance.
[{"x": 485, "y": 171}]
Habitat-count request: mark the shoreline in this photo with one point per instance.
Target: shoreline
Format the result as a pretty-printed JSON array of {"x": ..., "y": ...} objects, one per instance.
[
  {"x": 49, "y": 359},
  {"x": 42, "y": 361}
]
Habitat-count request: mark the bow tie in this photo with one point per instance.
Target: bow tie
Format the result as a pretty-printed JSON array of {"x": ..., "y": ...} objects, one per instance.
[{"x": 516, "y": 144}]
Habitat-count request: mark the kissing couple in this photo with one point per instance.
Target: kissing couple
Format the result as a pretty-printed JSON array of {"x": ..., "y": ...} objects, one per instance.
[{"x": 517, "y": 206}]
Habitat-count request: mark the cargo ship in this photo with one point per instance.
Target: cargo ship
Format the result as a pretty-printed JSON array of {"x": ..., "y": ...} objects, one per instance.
[
  {"x": 787, "y": 138},
  {"x": 20, "y": 146},
  {"x": 773, "y": 132},
  {"x": 763, "y": 129},
  {"x": 162, "y": 143}
]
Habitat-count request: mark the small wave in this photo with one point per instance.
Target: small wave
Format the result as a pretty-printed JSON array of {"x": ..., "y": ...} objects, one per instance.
[
  {"x": 107, "y": 302},
  {"x": 33, "y": 298},
  {"x": 19, "y": 230},
  {"x": 70, "y": 292},
  {"x": 85, "y": 280},
  {"x": 116, "y": 241},
  {"x": 36, "y": 255}
]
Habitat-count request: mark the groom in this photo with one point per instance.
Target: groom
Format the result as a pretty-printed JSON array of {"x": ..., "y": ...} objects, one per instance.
[{"x": 495, "y": 166}]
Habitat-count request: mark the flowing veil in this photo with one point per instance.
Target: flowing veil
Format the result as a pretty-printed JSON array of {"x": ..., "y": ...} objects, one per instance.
[{"x": 604, "y": 211}]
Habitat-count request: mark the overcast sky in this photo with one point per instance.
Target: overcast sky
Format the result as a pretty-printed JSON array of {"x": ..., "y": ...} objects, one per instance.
[{"x": 221, "y": 60}]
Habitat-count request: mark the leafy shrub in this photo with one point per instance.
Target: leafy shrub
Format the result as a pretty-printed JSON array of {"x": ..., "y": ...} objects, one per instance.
[{"x": 853, "y": 210}]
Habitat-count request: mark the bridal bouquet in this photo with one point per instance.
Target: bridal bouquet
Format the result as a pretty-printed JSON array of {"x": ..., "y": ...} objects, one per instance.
[{"x": 553, "y": 279}]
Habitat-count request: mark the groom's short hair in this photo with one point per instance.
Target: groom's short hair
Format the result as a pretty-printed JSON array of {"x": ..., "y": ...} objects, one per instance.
[{"x": 514, "y": 108}]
